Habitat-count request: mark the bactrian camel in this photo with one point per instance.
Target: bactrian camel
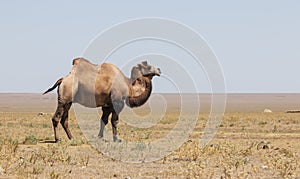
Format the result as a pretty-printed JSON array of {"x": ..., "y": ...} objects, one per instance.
[{"x": 103, "y": 86}]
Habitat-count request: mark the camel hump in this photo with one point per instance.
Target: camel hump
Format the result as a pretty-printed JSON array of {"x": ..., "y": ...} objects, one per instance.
[
  {"x": 80, "y": 59},
  {"x": 107, "y": 65},
  {"x": 77, "y": 60},
  {"x": 108, "y": 68}
]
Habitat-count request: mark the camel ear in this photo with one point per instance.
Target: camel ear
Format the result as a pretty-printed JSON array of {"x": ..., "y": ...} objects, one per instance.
[{"x": 145, "y": 63}]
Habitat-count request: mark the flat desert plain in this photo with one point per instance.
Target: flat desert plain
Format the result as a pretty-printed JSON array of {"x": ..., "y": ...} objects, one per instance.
[{"x": 248, "y": 144}]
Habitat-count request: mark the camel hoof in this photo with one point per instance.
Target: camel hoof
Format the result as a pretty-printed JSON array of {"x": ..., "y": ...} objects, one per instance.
[
  {"x": 57, "y": 140},
  {"x": 117, "y": 140}
]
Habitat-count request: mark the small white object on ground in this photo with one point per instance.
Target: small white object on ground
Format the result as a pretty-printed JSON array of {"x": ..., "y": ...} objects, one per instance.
[
  {"x": 1, "y": 171},
  {"x": 267, "y": 111}
]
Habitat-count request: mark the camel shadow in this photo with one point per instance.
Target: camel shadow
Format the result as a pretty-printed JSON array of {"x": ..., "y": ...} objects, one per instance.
[{"x": 42, "y": 141}]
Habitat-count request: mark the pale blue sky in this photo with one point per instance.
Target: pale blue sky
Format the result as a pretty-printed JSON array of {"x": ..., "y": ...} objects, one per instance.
[{"x": 257, "y": 43}]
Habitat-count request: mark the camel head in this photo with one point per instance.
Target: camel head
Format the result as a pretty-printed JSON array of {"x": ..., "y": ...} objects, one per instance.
[
  {"x": 144, "y": 69},
  {"x": 141, "y": 86}
]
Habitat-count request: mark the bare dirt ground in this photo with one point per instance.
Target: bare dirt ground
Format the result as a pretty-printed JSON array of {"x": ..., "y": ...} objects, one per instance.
[{"x": 248, "y": 144}]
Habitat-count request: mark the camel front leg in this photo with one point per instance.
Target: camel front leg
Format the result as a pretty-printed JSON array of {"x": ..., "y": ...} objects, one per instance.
[
  {"x": 104, "y": 120},
  {"x": 114, "y": 122},
  {"x": 117, "y": 108}
]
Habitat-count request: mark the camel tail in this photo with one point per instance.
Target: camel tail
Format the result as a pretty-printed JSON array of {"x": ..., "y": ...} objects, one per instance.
[{"x": 58, "y": 82}]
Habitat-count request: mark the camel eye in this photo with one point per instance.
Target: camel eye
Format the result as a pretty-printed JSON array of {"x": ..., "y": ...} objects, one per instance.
[{"x": 138, "y": 80}]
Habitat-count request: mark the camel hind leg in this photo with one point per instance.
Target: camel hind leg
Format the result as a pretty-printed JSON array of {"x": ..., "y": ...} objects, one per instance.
[
  {"x": 55, "y": 119},
  {"x": 64, "y": 120},
  {"x": 65, "y": 92}
]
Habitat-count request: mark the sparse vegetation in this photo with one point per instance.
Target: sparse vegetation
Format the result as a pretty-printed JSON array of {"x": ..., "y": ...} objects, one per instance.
[
  {"x": 54, "y": 175},
  {"x": 247, "y": 145},
  {"x": 30, "y": 140}
]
